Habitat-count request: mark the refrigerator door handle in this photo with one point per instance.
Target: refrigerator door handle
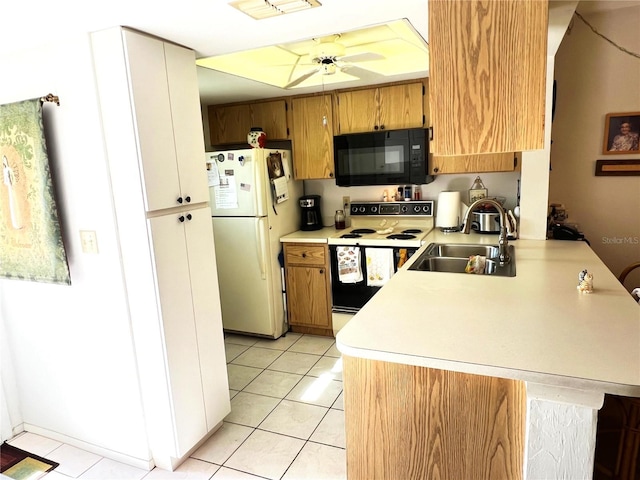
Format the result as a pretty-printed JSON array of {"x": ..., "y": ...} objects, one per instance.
[{"x": 260, "y": 247}]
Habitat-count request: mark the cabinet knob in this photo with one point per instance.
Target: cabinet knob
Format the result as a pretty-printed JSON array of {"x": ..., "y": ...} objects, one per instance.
[
  {"x": 436, "y": 170},
  {"x": 179, "y": 200},
  {"x": 189, "y": 217},
  {"x": 381, "y": 127},
  {"x": 304, "y": 255},
  {"x": 188, "y": 199},
  {"x": 331, "y": 175},
  {"x": 181, "y": 218},
  {"x": 322, "y": 271},
  {"x": 375, "y": 127}
]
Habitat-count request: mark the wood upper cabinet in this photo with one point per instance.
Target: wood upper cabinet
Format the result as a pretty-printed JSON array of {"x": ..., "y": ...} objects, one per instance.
[
  {"x": 487, "y": 162},
  {"x": 390, "y": 107},
  {"x": 307, "y": 273},
  {"x": 312, "y": 137},
  {"x": 487, "y": 75},
  {"x": 229, "y": 124}
]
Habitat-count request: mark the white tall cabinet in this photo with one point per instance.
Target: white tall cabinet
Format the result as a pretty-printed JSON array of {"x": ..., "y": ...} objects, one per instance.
[{"x": 148, "y": 96}]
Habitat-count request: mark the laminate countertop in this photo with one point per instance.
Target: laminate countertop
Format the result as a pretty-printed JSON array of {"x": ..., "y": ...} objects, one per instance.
[
  {"x": 310, "y": 236},
  {"x": 535, "y": 327}
]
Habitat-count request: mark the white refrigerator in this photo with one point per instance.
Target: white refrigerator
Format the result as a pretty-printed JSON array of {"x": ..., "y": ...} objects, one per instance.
[{"x": 254, "y": 202}]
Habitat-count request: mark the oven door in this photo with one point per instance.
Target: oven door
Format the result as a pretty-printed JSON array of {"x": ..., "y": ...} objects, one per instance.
[{"x": 351, "y": 297}]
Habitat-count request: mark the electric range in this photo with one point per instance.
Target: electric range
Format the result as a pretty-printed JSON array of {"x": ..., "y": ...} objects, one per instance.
[
  {"x": 391, "y": 230},
  {"x": 387, "y": 224}
]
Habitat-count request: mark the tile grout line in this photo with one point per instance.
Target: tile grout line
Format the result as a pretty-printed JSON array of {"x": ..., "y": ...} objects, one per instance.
[{"x": 306, "y": 441}]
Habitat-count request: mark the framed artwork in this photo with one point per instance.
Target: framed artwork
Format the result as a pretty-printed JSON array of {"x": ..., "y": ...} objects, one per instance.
[
  {"x": 621, "y": 133},
  {"x": 31, "y": 243},
  {"x": 617, "y": 168},
  {"x": 274, "y": 164}
]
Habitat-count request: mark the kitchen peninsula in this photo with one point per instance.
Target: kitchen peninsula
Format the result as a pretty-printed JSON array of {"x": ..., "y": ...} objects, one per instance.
[{"x": 450, "y": 375}]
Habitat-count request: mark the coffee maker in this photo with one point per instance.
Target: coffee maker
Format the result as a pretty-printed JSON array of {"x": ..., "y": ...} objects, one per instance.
[{"x": 311, "y": 217}]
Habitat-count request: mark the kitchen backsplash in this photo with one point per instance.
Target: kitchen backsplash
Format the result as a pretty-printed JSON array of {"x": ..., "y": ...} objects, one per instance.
[{"x": 498, "y": 184}]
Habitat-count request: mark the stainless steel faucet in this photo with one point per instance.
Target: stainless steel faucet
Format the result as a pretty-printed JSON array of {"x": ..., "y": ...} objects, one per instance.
[{"x": 503, "y": 245}]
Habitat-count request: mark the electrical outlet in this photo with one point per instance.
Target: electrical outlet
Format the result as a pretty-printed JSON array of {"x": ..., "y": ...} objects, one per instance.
[
  {"x": 89, "y": 241},
  {"x": 346, "y": 203}
]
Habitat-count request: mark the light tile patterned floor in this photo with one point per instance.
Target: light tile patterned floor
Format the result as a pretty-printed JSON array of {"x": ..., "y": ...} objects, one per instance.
[{"x": 286, "y": 421}]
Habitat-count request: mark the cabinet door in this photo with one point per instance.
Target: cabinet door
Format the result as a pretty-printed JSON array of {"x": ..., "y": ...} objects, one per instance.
[
  {"x": 152, "y": 111},
  {"x": 272, "y": 117},
  {"x": 207, "y": 315},
  {"x": 187, "y": 123},
  {"x": 229, "y": 124},
  {"x": 488, "y": 162},
  {"x": 357, "y": 111},
  {"x": 487, "y": 75},
  {"x": 312, "y": 137},
  {"x": 178, "y": 324},
  {"x": 307, "y": 296},
  {"x": 400, "y": 106}
]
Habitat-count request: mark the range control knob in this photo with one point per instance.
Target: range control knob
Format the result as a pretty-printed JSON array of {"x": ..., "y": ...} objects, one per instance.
[
  {"x": 426, "y": 209},
  {"x": 404, "y": 209},
  {"x": 362, "y": 209},
  {"x": 416, "y": 209},
  {"x": 374, "y": 209},
  {"x": 354, "y": 209}
]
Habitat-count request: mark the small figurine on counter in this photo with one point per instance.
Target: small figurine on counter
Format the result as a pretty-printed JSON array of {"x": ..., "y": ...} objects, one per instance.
[{"x": 585, "y": 282}]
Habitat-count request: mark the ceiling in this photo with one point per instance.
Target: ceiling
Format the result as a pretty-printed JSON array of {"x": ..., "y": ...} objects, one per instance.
[
  {"x": 372, "y": 54},
  {"x": 213, "y": 27}
]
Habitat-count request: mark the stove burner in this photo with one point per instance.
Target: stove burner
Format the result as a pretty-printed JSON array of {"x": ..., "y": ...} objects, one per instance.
[
  {"x": 412, "y": 230},
  {"x": 350, "y": 235},
  {"x": 362, "y": 230},
  {"x": 401, "y": 236}
]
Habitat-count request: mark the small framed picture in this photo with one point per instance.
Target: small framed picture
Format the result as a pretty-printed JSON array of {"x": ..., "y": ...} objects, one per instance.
[
  {"x": 274, "y": 162},
  {"x": 621, "y": 133}
]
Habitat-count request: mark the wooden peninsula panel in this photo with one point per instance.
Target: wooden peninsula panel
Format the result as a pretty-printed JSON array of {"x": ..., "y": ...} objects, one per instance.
[{"x": 413, "y": 423}]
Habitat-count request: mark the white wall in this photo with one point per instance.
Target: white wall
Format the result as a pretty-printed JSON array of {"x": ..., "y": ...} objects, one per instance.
[
  {"x": 595, "y": 78},
  {"x": 498, "y": 184},
  {"x": 71, "y": 346}
]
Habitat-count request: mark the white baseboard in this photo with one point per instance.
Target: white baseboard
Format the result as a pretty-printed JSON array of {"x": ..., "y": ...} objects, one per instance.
[{"x": 145, "y": 464}]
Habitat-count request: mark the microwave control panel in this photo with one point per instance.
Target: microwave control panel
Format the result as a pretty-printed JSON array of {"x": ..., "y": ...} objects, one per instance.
[{"x": 409, "y": 208}]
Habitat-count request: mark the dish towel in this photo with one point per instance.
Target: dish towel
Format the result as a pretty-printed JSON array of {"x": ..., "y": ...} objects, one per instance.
[
  {"x": 379, "y": 266},
  {"x": 349, "y": 270}
]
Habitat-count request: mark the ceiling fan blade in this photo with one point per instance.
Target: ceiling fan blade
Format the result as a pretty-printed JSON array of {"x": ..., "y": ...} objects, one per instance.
[
  {"x": 361, "y": 73},
  {"x": 362, "y": 57},
  {"x": 302, "y": 78}
]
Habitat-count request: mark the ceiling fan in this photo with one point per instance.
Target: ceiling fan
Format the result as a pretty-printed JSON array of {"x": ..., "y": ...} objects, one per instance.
[{"x": 328, "y": 56}]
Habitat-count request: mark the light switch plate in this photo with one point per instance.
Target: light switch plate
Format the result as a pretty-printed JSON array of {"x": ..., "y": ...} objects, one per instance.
[{"x": 89, "y": 241}]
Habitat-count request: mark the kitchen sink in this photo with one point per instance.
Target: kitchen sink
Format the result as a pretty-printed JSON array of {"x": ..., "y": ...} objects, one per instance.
[
  {"x": 461, "y": 250},
  {"x": 453, "y": 258}
]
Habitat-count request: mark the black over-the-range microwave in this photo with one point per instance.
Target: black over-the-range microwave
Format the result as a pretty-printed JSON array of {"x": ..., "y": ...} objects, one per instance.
[{"x": 385, "y": 157}]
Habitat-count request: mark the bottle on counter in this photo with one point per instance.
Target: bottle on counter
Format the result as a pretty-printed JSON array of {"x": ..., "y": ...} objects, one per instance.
[
  {"x": 417, "y": 192},
  {"x": 340, "y": 220}
]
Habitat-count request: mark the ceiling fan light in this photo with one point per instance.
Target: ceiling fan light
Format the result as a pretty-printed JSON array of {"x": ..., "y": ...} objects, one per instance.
[{"x": 328, "y": 68}]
